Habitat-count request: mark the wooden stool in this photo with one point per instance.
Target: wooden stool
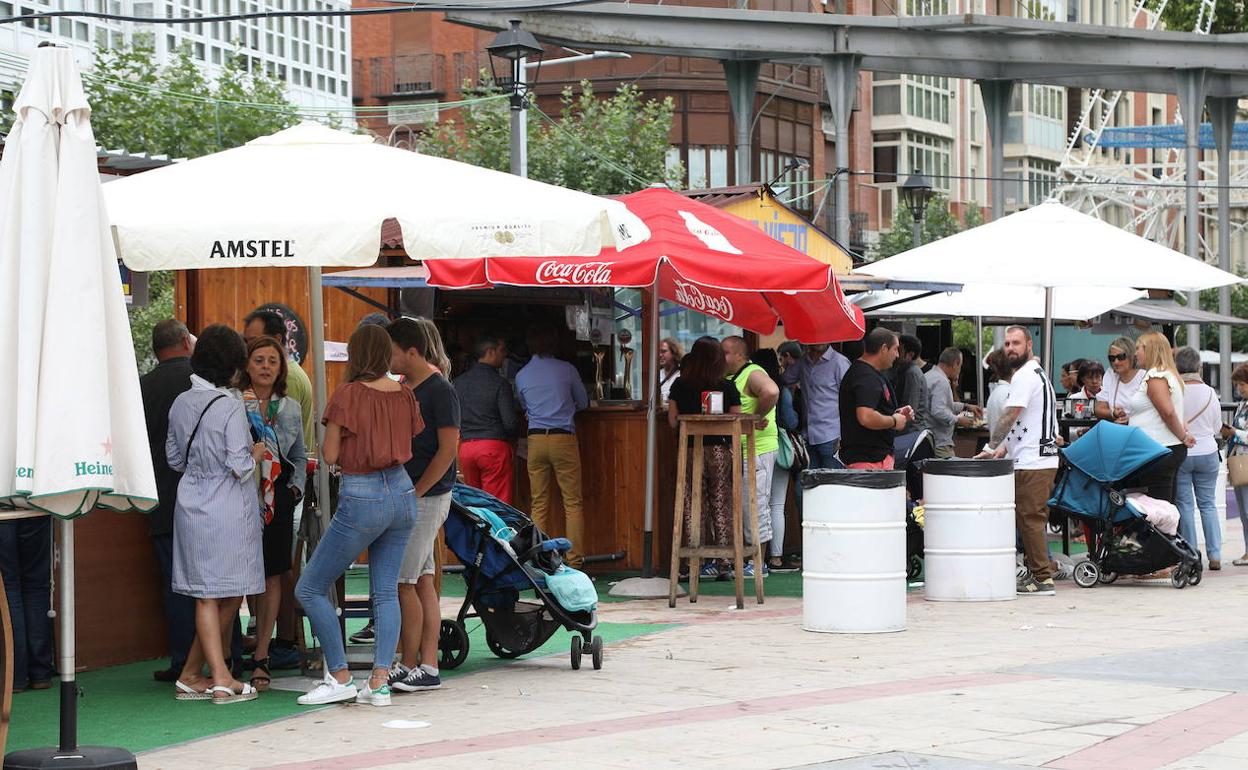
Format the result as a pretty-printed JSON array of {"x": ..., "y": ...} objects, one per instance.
[{"x": 697, "y": 427}]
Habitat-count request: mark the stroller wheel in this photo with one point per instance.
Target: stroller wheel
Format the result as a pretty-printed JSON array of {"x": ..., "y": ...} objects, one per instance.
[
  {"x": 576, "y": 652},
  {"x": 452, "y": 644},
  {"x": 595, "y": 649},
  {"x": 1193, "y": 577},
  {"x": 1108, "y": 577},
  {"x": 498, "y": 649},
  {"x": 1178, "y": 578},
  {"x": 914, "y": 567},
  {"x": 1087, "y": 574}
]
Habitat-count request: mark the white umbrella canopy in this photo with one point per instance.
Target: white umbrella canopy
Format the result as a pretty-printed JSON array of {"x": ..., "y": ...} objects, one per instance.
[
  {"x": 313, "y": 196},
  {"x": 1051, "y": 245},
  {"x": 72, "y": 433},
  {"x": 1070, "y": 303}
]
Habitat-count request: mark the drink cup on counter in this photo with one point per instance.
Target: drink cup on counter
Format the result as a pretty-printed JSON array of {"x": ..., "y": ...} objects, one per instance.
[{"x": 712, "y": 402}]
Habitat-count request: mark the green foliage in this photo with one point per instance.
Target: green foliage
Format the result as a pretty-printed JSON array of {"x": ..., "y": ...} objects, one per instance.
[
  {"x": 1228, "y": 16},
  {"x": 1239, "y": 309},
  {"x": 142, "y": 319},
  {"x": 604, "y": 146},
  {"x": 127, "y": 113},
  {"x": 938, "y": 222}
]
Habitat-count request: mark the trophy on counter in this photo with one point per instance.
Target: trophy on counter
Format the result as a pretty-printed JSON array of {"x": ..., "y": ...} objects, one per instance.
[
  {"x": 595, "y": 336},
  {"x": 626, "y": 353}
]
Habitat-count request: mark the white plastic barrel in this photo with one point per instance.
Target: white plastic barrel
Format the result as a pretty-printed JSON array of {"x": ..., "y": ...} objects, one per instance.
[
  {"x": 853, "y": 551},
  {"x": 968, "y": 533},
  {"x": 1220, "y": 496}
]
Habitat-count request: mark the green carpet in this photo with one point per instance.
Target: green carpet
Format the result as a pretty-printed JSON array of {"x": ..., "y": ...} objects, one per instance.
[{"x": 122, "y": 706}]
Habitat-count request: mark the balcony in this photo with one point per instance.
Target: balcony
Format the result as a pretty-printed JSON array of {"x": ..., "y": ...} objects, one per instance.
[
  {"x": 472, "y": 69},
  {"x": 405, "y": 76}
]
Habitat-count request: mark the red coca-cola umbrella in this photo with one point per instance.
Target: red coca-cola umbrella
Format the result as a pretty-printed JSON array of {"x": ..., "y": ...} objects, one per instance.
[{"x": 700, "y": 257}]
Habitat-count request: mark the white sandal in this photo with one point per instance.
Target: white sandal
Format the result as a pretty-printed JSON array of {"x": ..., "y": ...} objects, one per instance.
[
  {"x": 248, "y": 693},
  {"x": 184, "y": 691}
]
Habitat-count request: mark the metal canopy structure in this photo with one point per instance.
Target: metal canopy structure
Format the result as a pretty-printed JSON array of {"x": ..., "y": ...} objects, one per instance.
[{"x": 974, "y": 46}]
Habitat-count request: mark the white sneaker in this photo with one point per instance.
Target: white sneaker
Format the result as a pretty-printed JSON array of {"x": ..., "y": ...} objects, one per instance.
[
  {"x": 371, "y": 697},
  {"x": 329, "y": 691}
]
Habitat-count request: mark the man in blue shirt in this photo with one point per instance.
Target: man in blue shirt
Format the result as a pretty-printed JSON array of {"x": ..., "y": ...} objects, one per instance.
[
  {"x": 819, "y": 374},
  {"x": 551, "y": 393}
]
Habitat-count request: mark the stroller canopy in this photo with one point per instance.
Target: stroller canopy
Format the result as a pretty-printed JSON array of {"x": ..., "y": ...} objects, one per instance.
[{"x": 1111, "y": 452}]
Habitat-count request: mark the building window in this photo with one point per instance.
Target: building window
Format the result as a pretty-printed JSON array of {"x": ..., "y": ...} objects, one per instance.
[
  {"x": 886, "y": 100},
  {"x": 927, "y": 7},
  {"x": 927, "y": 97},
  {"x": 929, "y": 154},
  {"x": 708, "y": 166},
  {"x": 1041, "y": 181}
]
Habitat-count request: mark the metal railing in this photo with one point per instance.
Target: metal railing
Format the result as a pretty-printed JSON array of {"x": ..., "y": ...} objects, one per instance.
[{"x": 407, "y": 75}]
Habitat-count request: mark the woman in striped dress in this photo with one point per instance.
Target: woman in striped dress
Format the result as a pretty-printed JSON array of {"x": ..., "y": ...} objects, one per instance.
[{"x": 216, "y": 521}]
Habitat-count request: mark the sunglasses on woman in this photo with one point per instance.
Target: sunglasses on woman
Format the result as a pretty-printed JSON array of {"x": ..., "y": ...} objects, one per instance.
[{"x": 1118, "y": 357}]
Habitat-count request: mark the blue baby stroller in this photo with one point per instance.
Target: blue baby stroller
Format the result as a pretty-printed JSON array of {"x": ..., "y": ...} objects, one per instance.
[
  {"x": 505, "y": 555},
  {"x": 1091, "y": 487}
]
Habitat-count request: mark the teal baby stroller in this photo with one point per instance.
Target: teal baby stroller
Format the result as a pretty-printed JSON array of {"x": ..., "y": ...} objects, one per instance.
[{"x": 1091, "y": 487}]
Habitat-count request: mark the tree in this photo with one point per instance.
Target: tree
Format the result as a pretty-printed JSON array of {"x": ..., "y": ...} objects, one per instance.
[
  {"x": 172, "y": 109},
  {"x": 600, "y": 145},
  {"x": 938, "y": 222},
  {"x": 1228, "y": 16},
  {"x": 1239, "y": 309}
]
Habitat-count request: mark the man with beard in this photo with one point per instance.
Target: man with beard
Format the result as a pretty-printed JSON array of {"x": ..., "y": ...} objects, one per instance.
[{"x": 1026, "y": 433}]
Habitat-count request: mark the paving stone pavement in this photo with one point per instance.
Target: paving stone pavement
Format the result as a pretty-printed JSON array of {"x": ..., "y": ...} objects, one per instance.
[{"x": 1131, "y": 676}]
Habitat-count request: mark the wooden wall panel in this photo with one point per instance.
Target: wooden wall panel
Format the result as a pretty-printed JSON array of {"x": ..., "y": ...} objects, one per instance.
[
  {"x": 119, "y": 606},
  {"x": 228, "y": 295}
]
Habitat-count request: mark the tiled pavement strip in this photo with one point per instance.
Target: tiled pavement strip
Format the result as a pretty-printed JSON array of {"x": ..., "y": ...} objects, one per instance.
[{"x": 1122, "y": 677}]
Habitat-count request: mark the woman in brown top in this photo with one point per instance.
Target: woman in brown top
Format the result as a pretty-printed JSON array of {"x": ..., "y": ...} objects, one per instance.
[{"x": 369, "y": 425}]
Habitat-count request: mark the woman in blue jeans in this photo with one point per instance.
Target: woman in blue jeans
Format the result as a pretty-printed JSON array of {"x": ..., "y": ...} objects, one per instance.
[
  {"x": 1199, "y": 471},
  {"x": 369, "y": 425}
]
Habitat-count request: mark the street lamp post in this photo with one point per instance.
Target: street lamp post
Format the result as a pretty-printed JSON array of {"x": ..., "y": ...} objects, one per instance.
[
  {"x": 915, "y": 192},
  {"x": 508, "y": 54}
]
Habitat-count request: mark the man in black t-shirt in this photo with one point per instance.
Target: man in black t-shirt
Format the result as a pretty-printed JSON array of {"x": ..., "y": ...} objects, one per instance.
[
  {"x": 869, "y": 414},
  {"x": 417, "y": 347}
]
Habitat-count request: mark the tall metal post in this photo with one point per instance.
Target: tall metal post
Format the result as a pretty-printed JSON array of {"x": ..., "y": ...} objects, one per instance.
[
  {"x": 916, "y": 233},
  {"x": 651, "y": 349},
  {"x": 519, "y": 127},
  {"x": 1048, "y": 329},
  {"x": 69, "y": 684},
  {"x": 316, "y": 349},
  {"x": 980, "y": 398},
  {"x": 742, "y": 77},
  {"x": 996, "y": 95},
  {"x": 1222, "y": 111},
  {"x": 1192, "y": 90},
  {"x": 840, "y": 77}
]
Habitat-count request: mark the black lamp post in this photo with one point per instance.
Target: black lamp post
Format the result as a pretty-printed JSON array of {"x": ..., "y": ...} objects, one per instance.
[
  {"x": 508, "y": 53},
  {"x": 915, "y": 192}
]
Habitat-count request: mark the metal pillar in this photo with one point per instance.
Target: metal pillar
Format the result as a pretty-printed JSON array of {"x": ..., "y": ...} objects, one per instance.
[
  {"x": 742, "y": 79},
  {"x": 520, "y": 128},
  {"x": 840, "y": 77},
  {"x": 1192, "y": 91},
  {"x": 316, "y": 349},
  {"x": 1222, "y": 113},
  {"x": 996, "y": 95},
  {"x": 916, "y": 233},
  {"x": 651, "y": 349}
]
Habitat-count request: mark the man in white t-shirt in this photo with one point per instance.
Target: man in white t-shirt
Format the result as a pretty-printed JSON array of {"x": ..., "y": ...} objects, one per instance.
[{"x": 1026, "y": 433}]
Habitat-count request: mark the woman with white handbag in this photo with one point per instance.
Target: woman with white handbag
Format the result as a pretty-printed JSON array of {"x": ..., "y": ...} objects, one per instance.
[{"x": 1237, "y": 460}]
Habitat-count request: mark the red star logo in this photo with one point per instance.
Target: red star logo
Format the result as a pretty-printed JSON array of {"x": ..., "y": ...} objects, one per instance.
[{"x": 108, "y": 446}]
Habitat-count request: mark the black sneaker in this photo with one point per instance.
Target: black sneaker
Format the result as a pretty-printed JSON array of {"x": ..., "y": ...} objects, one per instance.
[
  {"x": 364, "y": 636},
  {"x": 417, "y": 680},
  {"x": 1029, "y": 586}
]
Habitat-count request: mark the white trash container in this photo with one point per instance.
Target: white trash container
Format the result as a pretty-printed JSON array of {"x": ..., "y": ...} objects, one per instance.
[
  {"x": 968, "y": 532},
  {"x": 853, "y": 551},
  {"x": 1219, "y": 493}
]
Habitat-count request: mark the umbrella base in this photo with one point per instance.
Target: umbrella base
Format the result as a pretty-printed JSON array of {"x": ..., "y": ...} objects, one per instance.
[{"x": 82, "y": 757}]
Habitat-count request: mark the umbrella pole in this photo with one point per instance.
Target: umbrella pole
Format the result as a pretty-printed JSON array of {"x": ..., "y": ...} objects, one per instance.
[
  {"x": 316, "y": 300},
  {"x": 1048, "y": 329},
  {"x": 69, "y": 685},
  {"x": 652, "y": 436},
  {"x": 979, "y": 360}
]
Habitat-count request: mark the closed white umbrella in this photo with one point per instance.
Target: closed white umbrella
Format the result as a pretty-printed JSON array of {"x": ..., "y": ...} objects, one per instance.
[
  {"x": 313, "y": 196},
  {"x": 72, "y": 433}
]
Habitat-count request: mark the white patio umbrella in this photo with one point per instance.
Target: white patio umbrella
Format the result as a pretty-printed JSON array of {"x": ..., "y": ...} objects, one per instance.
[
  {"x": 1049, "y": 246},
  {"x": 983, "y": 300},
  {"x": 73, "y": 435}
]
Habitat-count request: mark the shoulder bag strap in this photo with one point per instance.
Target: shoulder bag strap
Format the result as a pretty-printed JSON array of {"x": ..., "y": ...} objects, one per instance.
[
  {"x": 195, "y": 430},
  {"x": 1206, "y": 406}
]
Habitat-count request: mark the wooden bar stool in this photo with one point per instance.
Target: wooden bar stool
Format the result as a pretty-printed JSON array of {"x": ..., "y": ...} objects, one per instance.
[{"x": 697, "y": 427}]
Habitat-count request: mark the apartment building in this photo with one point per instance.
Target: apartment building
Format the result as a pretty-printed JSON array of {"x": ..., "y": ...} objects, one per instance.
[{"x": 312, "y": 55}]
